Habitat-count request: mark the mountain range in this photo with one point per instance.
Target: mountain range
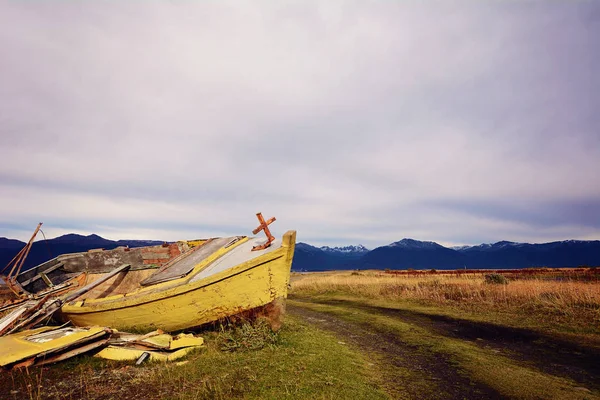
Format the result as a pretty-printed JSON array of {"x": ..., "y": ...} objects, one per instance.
[
  {"x": 44, "y": 250},
  {"x": 410, "y": 253},
  {"x": 403, "y": 254}
]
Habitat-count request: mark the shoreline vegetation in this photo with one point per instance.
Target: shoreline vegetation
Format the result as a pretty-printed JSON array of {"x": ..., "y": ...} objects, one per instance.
[
  {"x": 566, "y": 300},
  {"x": 374, "y": 335},
  {"x": 520, "y": 335},
  {"x": 243, "y": 361}
]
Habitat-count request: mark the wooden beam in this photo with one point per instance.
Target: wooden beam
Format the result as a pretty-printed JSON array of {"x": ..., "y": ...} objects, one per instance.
[
  {"x": 38, "y": 276},
  {"x": 46, "y": 280},
  {"x": 56, "y": 303},
  {"x": 72, "y": 296}
]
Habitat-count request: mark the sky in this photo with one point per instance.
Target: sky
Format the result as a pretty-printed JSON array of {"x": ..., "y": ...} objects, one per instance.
[{"x": 350, "y": 122}]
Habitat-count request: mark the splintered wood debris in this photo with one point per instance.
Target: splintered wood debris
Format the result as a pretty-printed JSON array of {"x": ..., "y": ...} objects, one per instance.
[
  {"x": 27, "y": 314},
  {"x": 48, "y": 345},
  {"x": 157, "y": 345},
  {"x": 23, "y": 346}
]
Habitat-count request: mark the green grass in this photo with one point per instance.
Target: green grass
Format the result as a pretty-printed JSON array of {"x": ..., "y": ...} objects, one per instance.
[
  {"x": 507, "y": 376},
  {"x": 298, "y": 362},
  {"x": 588, "y": 334},
  {"x": 301, "y": 361},
  {"x": 305, "y": 363}
]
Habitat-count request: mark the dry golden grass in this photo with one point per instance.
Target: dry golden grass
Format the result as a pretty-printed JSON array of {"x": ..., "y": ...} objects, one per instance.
[{"x": 564, "y": 301}]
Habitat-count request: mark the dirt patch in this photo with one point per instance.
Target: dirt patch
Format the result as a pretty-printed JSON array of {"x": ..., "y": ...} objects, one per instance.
[
  {"x": 438, "y": 377},
  {"x": 549, "y": 354}
]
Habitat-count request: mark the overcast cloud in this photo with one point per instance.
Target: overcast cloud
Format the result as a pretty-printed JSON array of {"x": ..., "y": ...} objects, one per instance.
[{"x": 352, "y": 122}]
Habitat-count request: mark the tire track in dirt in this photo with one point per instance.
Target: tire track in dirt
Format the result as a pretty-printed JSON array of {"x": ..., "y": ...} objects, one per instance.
[
  {"x": 441, "y": 378},
  {"x": 550, "y": 355}
]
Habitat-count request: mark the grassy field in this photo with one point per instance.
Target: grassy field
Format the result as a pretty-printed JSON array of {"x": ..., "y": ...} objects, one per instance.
[
  {"x": 300, "y": 361},
  {"x": 567, "y": 302},
  {"x": 528, "y": 338},
  {"x": 373, "y": 335}
]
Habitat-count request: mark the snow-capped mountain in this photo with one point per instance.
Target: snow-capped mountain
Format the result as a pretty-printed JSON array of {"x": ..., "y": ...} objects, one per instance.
[
  {"x": 411, "y": 253},
  {"x": 415, "y": 244},
  {"x": 504, "y": 244},
  {"x": 345, "y": 249},
  {"x": 459, "y": 248},
  {"x": 311, "y": 258}
]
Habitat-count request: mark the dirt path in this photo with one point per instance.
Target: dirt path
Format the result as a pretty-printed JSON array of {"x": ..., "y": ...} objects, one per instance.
[
  {"x": 406, "y": 371},
  {"x": 548, "y": 354}
]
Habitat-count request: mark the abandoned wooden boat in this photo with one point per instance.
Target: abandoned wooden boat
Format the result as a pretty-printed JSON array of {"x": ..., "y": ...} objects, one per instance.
[{"x": 170, "y": 287}]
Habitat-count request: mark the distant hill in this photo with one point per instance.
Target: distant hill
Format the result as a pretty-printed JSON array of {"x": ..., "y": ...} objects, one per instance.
[
  {"x": 567, "y": 253},
  {"x": 410, "y": 253},
  {"x": 403, "y": 254},
  {"x": 42, "y": 250},
  {"x": 311, "y": 258}
]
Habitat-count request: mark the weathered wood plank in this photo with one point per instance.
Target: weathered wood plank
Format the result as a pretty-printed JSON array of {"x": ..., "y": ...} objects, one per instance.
[
  {"x": 46, "y": 280},
  {"x": 72, "y": 296},
  {"x": 38, "y": 276}
]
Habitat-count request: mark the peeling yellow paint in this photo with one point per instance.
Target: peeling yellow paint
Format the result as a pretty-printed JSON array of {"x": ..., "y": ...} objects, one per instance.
[
  {"x": 159, "y": 341},
  {"x": 127, "y": 354},
  {"x": 185, "y": 340},
  {"x": 195, "y": 243},
  {"x": 17, "y": 347}
]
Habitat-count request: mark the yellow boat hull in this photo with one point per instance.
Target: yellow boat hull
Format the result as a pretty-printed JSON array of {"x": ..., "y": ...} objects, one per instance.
[{"x": 171, "y": 307}]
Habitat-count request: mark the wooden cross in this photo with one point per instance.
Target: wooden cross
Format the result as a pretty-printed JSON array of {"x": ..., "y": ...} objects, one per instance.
[{"x": 264, "y": 226}]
